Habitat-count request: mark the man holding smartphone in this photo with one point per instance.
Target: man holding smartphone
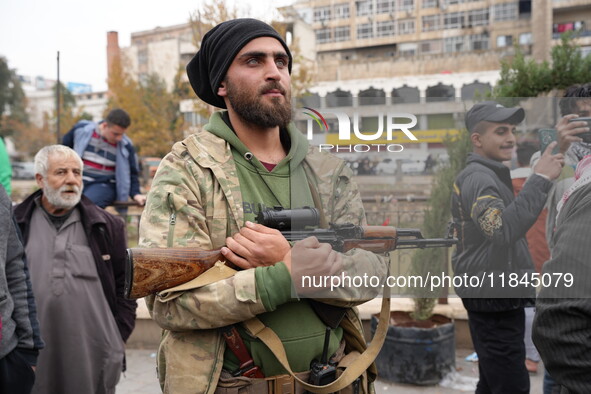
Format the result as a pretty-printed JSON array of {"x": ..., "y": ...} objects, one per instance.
[
  {"x": 575, "y": 104},
  {"x": 557, "y": 332}
]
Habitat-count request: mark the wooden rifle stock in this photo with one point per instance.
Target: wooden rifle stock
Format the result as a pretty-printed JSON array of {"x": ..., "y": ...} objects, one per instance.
[{"x": 149, "y": 271}]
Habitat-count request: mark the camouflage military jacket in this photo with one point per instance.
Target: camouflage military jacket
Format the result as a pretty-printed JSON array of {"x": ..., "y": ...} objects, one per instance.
[{"x": 195, "y": 201}]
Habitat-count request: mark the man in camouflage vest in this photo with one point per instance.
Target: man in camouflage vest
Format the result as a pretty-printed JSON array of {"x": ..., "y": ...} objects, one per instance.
[{"x": 207, "y": 193}]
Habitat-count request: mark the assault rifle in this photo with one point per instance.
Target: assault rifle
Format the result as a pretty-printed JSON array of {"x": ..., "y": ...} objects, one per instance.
[{"x": 152, "y": 270}]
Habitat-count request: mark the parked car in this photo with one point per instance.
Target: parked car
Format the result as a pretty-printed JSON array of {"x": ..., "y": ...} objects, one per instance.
[
  {"x": 407, "y": 166},
  {"x": 23, "y": 170},
  {"x": 386, "y": 167},
  {"x": 412, "y": 166}
]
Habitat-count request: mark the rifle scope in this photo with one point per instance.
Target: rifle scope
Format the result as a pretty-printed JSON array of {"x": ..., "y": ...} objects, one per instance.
[{"x": 289, "y": 219}]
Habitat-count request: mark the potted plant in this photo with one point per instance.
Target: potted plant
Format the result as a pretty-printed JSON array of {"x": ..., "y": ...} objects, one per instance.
[{"x": 420, "y": 346}]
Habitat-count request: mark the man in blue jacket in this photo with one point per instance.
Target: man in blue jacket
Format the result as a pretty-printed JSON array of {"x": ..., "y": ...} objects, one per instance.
[
  {"x": 110, "y": 163},
  {"x": 492, "y": 253}
]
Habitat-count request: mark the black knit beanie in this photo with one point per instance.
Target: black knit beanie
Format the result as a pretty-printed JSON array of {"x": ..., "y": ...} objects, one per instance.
[{"x": 219, "y": 47}]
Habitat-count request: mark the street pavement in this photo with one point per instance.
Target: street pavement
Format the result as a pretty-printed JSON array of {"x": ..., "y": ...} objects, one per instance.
[{"x": 140, "y": 377}]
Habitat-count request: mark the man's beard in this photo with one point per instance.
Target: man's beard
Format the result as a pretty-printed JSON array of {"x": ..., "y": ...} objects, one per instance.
[
  {"x": 251, "y": 108},
  {"x": 55, "y": 198}
]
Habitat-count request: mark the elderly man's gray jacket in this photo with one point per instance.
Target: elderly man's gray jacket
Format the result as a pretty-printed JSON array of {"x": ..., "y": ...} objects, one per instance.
[{"x": 20, "y": 327}]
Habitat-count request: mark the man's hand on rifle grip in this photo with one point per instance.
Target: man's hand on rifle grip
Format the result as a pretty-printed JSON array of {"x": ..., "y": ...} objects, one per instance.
[
  {"x": 311, "y": 258},
  {"x": 256, "y": 246}
]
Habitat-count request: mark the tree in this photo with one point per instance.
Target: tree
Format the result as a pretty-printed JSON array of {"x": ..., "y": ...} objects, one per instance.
[
  {"x": 156, "y": 119},
  {"x": 68, "y": 117},
  {"x": 521, "y": 77},
  {"x": 303, "y": 71},
  {"x": 13, "y": 103},
  {"x": 437, "y": 216},
  {"x": 214, "y": 12},
  {"x": 211, "y": 13},
  {"x": 30, "y": 138}
]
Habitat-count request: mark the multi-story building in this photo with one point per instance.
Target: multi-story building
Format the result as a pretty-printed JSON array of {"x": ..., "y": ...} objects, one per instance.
[
  {"x": 429, "y": 58},
  {"x": 161, "y": 51},
  {"x": 41, "y": 100},
  {"x": 425, "y": 57}
]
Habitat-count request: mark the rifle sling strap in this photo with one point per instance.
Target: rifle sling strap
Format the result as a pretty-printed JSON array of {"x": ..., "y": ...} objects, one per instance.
[
  {"x": 317, "y": 203},
  {"x": 218, "y": 272},
  {"x": 256, "y": 328}
]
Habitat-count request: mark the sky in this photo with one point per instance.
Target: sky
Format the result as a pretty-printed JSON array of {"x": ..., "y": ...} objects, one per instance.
[{"x": 33, "y": 31}]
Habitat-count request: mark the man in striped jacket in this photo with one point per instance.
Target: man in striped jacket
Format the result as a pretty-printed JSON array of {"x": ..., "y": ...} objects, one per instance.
[{"x": 110, "y": 163}]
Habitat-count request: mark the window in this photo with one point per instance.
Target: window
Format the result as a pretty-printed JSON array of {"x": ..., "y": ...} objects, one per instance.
[
  {"x": 339, "y": 98},
  {"x": 406, "y": 5},
  {"x": 558, "y": 28},
  {"x": 478, "y": 42},
  {"x": 322, "y": 36},
  {"x": 372, "y": 96},
  {"x": 428, "y": 47},
  {"x": 341, "y": 11},
  {"x": 474, "y": 90},
  {"x": 407, "y": 49},
  {"x": 405, "y": 94},
  {"x": 478, "y": 17},
  {"x": 453, "y": 44},
  {"x": 440, "y": 92},
  {"x": 321, "y": 14},
  {"x": 342, "y": 33},
  {"x": 364, "y": 7},
  {"x": 142, "y": 56},
  {"x": 194, "y": 119},
  {"x": 429, "y": 3},
  {"x": 505, "y": 11},
  {"x": 385, "y": 6},
  {"x": 386, "y": 28},
  {"x": 406, "y": 26},
  {"x": 453, "y": 20},
  {"x": 431, "y": 22},
  {"x": 143, "y": 78},
  {"x": 365, "y": 30},
  {"x": 504, "y": 41},
  {"x": 525, "y": 39}
]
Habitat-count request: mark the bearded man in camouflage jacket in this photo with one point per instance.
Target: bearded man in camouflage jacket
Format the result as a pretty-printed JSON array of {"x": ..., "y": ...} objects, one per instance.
[{"x": 206, "y": 194}]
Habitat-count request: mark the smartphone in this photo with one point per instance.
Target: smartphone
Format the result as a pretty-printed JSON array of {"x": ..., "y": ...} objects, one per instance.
[
  {"x": 546, "y": 137},
  {"x": 586, "y": 136}
]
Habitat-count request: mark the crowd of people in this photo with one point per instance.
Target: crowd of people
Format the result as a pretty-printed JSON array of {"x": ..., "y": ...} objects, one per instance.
[{"x": 64, "y": 319}]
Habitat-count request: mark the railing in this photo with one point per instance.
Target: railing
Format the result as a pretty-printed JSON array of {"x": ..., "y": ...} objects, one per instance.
[{"x": 131, "y": 219}]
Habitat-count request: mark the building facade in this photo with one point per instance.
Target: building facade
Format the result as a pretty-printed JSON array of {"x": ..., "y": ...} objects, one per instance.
[
  {"x": 429, "y": 58},
  {"x": 41, "y": 100},
  {"x": 162, "y": 51}
]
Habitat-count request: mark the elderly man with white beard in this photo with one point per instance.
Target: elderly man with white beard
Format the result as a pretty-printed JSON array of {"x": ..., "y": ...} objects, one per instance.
[{"x": 76, "y": 254}]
